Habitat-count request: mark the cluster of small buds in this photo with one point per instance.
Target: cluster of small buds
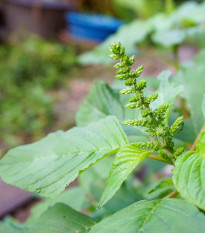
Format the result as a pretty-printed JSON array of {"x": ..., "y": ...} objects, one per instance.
[
  {"x": 160, "y": 112},
  {"x": 147, "y": 145},
  {"x": 138, "y": 122},
  {"x": 177, "y": 126},
  {"x": 177, "y": 153},
  {"x": 153, "y": 121}
]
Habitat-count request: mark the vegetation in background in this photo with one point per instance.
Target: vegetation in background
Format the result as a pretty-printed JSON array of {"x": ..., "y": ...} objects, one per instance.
[
  {"x": 29, "y": 69},
  {"x": 167, "y": 30},
  {"x": 128, "y": 9}
]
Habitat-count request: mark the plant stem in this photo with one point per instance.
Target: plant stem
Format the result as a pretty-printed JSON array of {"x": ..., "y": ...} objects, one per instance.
[
  {"x": 172, "y": 194},
  {"x": 193, "y": 147},
  {"x": 158, "y": 158}
]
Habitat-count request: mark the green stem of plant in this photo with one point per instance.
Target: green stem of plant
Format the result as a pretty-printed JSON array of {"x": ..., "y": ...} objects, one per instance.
[
  {"x": 172, "y": 194},
  {"x": 159, "y": 159}
]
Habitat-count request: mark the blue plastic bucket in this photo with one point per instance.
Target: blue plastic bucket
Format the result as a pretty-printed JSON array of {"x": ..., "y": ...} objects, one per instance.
[{"x": 91, "y": 26}]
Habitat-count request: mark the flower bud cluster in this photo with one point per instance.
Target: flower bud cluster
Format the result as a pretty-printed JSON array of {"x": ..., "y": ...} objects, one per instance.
[
  {"x": 153, "y": 121},
  {"x": 146, "y": 145},
  {"x": 177, "y": 126}
]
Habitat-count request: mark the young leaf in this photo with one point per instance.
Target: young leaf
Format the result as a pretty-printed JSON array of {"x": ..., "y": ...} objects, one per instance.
[
  {"x": 189, "y": 174},
  {"x": 162, "y": 184},
  {"x": 124, "y": 163},
  {"x": 60, "y": 218},
  {"x": 48, "y": 166},
  {"x": 165, "y": 215}
]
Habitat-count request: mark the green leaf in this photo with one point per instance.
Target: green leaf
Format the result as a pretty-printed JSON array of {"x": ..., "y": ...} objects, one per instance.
[
  {"x": 195, "y": 35},
  {"x": 165, "y": 183},
  {"x": 93, "y": 181},
  {"x": 167, "y": 91},
  {"x": 124, "y": 163},
  {"x": 169, "y": 38},
  {"x": 58, "y": 219},
  {"x": 189, "y": 174},
  {"x": 9, "y": 227},
  {"x": 103, "y": 101},
  {"x": 48, "y": 166},
  {"x": 73, "y": 197},
  {"x": 164, "y": 216},
  {"x": 192, "y": 78}
]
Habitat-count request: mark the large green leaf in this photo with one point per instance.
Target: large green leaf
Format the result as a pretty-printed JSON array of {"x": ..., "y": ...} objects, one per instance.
[
  {"x": 73, "y": 197},
  {"x": 189, "y": 174},
  {"x": 58, "y": 219},
  {"x": 124, "y": 163},
  {"x": 103, "y": 101},
  {"x": 158, "y": 216},
  {"x": 48, "y": 166}
]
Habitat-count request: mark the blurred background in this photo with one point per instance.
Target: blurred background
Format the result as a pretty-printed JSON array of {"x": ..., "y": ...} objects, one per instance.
[{"x": 52, "y": 51}]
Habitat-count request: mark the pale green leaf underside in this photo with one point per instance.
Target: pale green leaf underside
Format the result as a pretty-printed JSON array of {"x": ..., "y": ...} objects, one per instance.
[
  {"x": 158, "y": 216},
  {"x": 48, "y": 166},
  {"x": 58, "y": 219},
  {"x": 165, "y": 183},
  {"x": 189, "y": 174},
  {"x": 192, "y": 78},
  {"x": 167, "y": 91},
  {"x": 101, "y": 102},
  {"x": 124, "y": 163},
  {"x": 9, "y": 227},
  {"x": 73, "y": 197}
]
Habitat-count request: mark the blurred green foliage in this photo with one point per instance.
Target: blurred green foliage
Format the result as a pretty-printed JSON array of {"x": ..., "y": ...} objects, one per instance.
[
  {"x": 30, "y": 69},
  {"x": 129, "y": 9},
  {"x": 185, "y": 25}
]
